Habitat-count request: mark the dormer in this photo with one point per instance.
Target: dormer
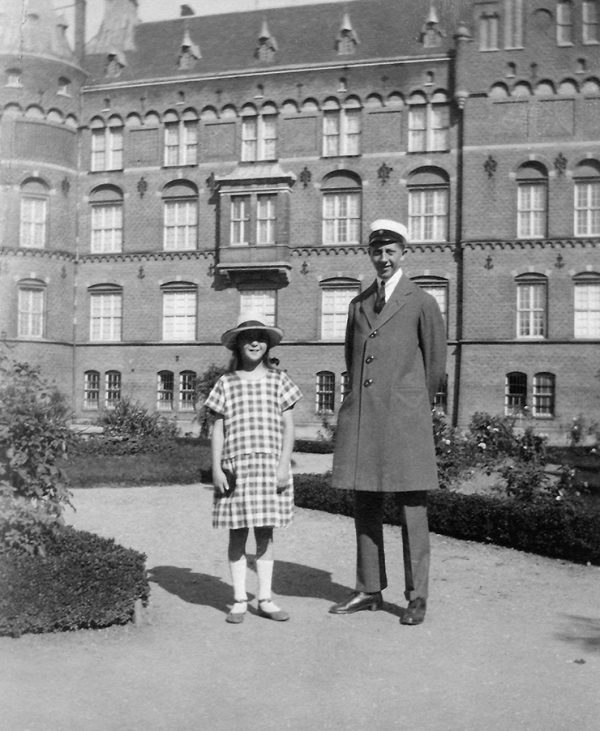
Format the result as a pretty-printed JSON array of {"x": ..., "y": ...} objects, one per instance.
[
  {"x": 267, "y": 45},
  {"x": 347, "y": 39},
  {"x": 115, "y": 63},
  {"x": 189, "y": 53},
  {"x": 431, "y": 34}
]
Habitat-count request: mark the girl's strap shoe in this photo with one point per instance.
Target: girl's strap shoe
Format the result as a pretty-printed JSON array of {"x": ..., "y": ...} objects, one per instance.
[
  {"x": 237, "y": 617},
  {"x": 278, "y": 615}
]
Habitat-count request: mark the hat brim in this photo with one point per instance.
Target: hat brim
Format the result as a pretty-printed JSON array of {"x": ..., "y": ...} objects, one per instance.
[{"x": 229, "y": 338}]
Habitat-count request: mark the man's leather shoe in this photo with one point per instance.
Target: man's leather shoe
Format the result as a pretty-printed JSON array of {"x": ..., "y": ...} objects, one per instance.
[
  {"x": 357, "y": 602},
  {"x": 415, "y": 612}
]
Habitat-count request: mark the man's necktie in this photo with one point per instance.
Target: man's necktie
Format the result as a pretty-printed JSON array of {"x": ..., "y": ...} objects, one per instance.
[{"x": 380, "y": 298}]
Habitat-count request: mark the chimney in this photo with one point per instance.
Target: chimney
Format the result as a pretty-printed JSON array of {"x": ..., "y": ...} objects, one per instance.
[{"x": 80, "y": 22}]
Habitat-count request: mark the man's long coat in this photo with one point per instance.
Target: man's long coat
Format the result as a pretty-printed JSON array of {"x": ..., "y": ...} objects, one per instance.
[{"x": 396, "y": 361}]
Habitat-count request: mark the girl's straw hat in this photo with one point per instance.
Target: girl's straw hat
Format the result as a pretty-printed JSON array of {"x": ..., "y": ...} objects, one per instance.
[{"x": 251, "y": 321}]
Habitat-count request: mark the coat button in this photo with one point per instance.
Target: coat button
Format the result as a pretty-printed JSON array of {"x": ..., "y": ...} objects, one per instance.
[
  {"x": 370, "y": 358},
  {"x": 373, "y": 334},
  {"x": 368, "y": 382}
]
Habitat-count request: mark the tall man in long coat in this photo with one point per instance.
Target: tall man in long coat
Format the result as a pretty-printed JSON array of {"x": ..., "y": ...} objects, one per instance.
[{"x": 396, "y": 358}]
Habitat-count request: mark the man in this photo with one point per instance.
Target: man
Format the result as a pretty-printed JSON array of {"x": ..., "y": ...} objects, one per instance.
[{"x": 396, "y": 358}]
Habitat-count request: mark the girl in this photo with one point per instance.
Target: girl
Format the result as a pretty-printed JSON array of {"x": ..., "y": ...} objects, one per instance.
[{"x": 252, "y": 442}]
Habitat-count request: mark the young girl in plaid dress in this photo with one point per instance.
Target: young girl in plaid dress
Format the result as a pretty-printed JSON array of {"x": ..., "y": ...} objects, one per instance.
[{"x": 252, "y": 442}]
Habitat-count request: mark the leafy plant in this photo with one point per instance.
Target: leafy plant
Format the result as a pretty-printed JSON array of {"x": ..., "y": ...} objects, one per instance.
[{"x": 204, "y": 385}]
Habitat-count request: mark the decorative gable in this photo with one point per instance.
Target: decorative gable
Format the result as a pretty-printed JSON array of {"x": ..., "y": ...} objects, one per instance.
[
  {"x": 189, "y": 53},
  {"x": 431, "y": 34},
  {"x": 347, "y": 38},
  {"x": 267, "y": 45}
]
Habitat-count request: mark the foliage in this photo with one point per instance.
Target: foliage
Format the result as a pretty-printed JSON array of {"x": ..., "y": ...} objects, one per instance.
[
  {"x": 579, "y": 428},
  {"x": 204, "y": 385},
  {"x": 34, "y": 435},
  {"x": 83, "y": 581},
  {"x": 313, "y": 446},
  {"x": 454, "y": 453}
]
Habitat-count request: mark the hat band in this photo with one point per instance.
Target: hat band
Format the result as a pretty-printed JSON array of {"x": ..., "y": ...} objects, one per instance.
[
  {"x": 383, "y": 235},
  {"x": 252, "y": 323}
]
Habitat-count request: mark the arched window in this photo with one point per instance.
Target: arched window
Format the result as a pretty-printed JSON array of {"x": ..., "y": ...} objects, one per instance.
[
  {"x": 532, "y": 306},
  {"x": 342, "y": 199},
  {"x": 180, "y": 216},
  {"x": 532, "y": 201},
  {"x": 586, "y": 292},
  {"x": 428, "y": 122},
  {"x": 106, "y": 313},
  {"x": 31, "y": 308},
  {"x": 179, "y": 311},
  {"x": 488, "y": 31},
  {"x": 181, "y": 138},
  {"x": 187, "y": 390},
  {"x": 515, "y": 393},
  {"x": 341, "y": 127},
  {"x": 543, "y": 395},
  {"x": 325, "y": 392},
  {"x": 259, "y": 133},
  {"x": 91, "y": 390},
  {"x": 112, "y": 389},
  {"x": 34, "y": 214},
  {"x": 428, "y": 205},
  {"x": 336, "y": 294},
  {"x": 587, "y": 198},
  {"x": 107, "y": 219},
  {"x": 165, "y": 390},
  {"x": 107, "y": 144},
  {"x": 564, "y": 23}
]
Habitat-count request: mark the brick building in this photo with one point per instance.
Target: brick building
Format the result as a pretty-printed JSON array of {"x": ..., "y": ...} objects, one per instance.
[{"x": 169, "y": 175}]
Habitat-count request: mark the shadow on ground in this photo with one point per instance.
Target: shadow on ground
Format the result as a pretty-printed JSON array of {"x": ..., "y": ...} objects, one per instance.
[
  {"x": 583, "y": 631},
  {"x": 290, "y": 579}
]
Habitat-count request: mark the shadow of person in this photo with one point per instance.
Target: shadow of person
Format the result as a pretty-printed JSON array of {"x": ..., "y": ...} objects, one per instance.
[
  {"x": 583, "y": 631},
  {"x": 289, "y": 579}
]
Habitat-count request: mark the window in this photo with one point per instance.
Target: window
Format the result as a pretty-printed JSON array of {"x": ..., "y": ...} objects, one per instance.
[
  {"x": 564, "y": 23},
  {"x": 181, "y": 140},
  {"x": 335, "y": 298},
  {"x": 513, "y": 23},
  {"x": 531, "y": 306},
  {"x": 259, "y": 137},
  {"x": 532, "y": 205},
  {"x": 591, "y": 20},
  {"x": 341, "y": 218},
  {"x": 428, "y": 205},
  {"x": 325, "y": 392},
  {"x": 106, "y": 316},
  {"x": 265, "y": 219},
  {"x": 91, "y": 390},
  {"x": 165, "y": 390},
  {"x": 107, "y": 145},
  {"x": 107, "y": 220},
  {"x": 437, "y": 288},
  {"x": 344, "y": 386},
  {"x": 180, "y": 216},
  {"x": 31, "y": 309},
  {"x": 240, "y": 220},
  {"x": 187, "y": 390},
  {"x": 428, "y": 123},
  {"x": 259, "y": 300},
  {"x": 179, "y": 311},
  {"x": 515, "y": 393},
  {"x": 34, "y": 218},
  {"x": 543, "y": 395},
  {"x": 112, "y": 388},
  {"x": 13, "y": 78},
  {"x": 488, "y": 31},
  {"x": 587, "y": 305},
  {"x": 341, "y": 132},
  {"x": 587, "y": 199},
  {"x": 440, "y": 400},
  {"x": 64, "y": 86}
]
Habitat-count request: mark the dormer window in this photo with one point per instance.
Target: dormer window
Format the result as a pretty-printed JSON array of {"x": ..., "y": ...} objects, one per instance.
[
  {"x": 189, "y": 53},
  {"x": 115, "y": 64},
  {"x": 267, "y": 45},
  {"x": 431, "y": 35},
  {"x": 13, "y": 78},
  {"x": 347, "y": 39}
]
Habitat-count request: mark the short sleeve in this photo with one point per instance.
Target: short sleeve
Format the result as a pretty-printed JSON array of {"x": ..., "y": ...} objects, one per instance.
[
  {"x": 289, "y": 393},
  {"x": 216, "y": 398}
]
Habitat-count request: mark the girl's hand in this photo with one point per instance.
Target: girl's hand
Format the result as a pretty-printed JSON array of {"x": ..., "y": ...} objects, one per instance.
[
  {"x": 219, "y": 479},
  {"x": 283, "y": 477}
]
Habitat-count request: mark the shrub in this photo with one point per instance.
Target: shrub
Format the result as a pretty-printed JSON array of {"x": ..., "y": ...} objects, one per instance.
[
  {"x": 83, "y": 581},
  {"x": 204, "y": 385},
  {"x": 313, "y": 446},
  {"x": 454, "y": 453}
]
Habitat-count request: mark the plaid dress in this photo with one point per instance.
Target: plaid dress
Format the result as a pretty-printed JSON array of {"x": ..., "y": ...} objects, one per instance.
[{"x": 253, "y": 426}]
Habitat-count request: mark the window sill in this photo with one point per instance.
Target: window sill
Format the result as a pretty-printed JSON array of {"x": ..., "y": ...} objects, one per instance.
[
  {"x": 180, "y": 165},
  {"x": 341, "y": 154},
  {"x": 106, "y": 170},
  {"x": 444, "y": 150}
]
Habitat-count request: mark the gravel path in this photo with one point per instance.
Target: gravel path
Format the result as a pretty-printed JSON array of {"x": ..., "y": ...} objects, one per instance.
[{"x": 511, "y": 641}]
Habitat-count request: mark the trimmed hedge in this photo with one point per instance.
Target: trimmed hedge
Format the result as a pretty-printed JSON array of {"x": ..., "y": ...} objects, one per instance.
[
  {"x": 313, "y": 446},
  {"x": 552, "y": 529},
  {"x": 82, "y": 581}
]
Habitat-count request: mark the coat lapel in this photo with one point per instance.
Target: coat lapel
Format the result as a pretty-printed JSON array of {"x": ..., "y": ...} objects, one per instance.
[{"x": 403, "y": 289}]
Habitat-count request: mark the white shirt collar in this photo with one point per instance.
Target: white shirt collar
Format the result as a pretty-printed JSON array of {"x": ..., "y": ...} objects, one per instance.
[{"x": 390, "y": 284}]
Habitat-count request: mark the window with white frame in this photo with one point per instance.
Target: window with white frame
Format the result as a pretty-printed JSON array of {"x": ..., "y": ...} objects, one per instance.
[
  {"x": 179, "y": 311},
  {"x": 165, "y": 390},
  {"x": 341, "y": 132},
  {"x": 590, "y": 21},
  {"x": 532, "y": 201},
  {"x": 91, "y": 390},
  {"x": 587, "y": 199},
  {"x": 107, "y": 220},
  {"x": 187, "y": 390},
  {"x": 259, "y": 137},
  {"x": 112, "y": 389},
  {"x": 265, "y": 218},
  {"x": 428, "y": 203},
  {"x": 263, "y": 301},
  {"x": 335, "y": 299},
  {"x": 344, "y": 386},
  {"x": 31, "y": 309},
  {"x": 325, "y": 392},
  {"x": 438, "y": 289},
  {"x": 34, "y": 220},
  {"x": 181, "y": 141},
  {"x": 488, "y": 31},
  {"x": 531, "y": 306},
  {"x": 428, "y": 123},
  {"x": 564, "y": 23},
  {"x": 543, "y": 395},
  {"x": 515, "y": 393},
  {"x": 14, "y": 78},
  {"x": 513, "y": 23},
  {"x": 239, "y": 232},
  {"x": 106, "y": 314},
  {"x": 586, "y": 291},
  {"x": 180, "y": 216},
  {"x": 342, "y": 199},
  {"x": 107, "y": 145}
]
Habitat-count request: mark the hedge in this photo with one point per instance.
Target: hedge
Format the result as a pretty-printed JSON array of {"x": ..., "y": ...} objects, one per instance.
[
  {"x": 553, "y": 529},
  {"x": 83, "y": 581}
]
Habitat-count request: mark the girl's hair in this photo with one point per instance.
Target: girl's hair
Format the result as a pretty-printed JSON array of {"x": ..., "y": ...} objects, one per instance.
[{"x": 235, "y": 362}]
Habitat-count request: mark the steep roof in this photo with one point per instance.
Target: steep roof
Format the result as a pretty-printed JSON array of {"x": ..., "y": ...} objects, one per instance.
[
  {"x": 305, "y": 35},
  {"x": 33, "y": 27}
]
